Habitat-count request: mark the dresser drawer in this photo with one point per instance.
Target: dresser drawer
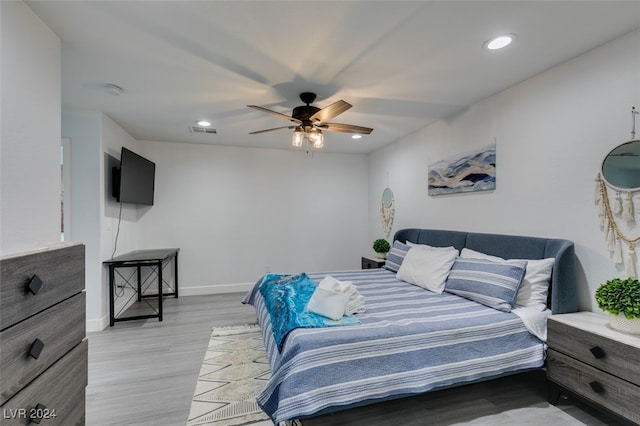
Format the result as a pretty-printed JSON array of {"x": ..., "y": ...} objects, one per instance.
[
  {"x": 58, "y": 394},
  {"x": 617, "y": 395},
  {"x": 598, "y": 351},
  {"x": 60, "y": 270},
  {"x": 58, "y": 328}
]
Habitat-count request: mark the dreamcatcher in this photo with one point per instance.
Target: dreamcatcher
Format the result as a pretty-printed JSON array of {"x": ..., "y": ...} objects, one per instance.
[
  {"x": 387, "y": 211},
  {"x": 620, "y": 180}
]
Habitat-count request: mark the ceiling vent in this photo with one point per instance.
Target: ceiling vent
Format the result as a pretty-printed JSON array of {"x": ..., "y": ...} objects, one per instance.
[{"x": 203, "y": 130}]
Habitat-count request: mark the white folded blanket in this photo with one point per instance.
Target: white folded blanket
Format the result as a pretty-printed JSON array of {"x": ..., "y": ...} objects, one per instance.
[{"x": 355, "y": 304}]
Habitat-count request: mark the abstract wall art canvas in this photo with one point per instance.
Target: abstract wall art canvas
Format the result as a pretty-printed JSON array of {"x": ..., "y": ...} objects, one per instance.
[{"x": 468, "y": 172}]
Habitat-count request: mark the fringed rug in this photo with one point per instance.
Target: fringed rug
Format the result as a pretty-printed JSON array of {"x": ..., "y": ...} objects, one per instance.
[{"x": 234, "y": 371}]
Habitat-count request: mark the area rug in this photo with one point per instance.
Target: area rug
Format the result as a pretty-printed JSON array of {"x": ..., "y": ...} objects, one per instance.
[{"x": 234, "y": 371}]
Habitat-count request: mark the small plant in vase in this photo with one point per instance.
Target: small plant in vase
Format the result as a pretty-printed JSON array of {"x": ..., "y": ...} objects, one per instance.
[
  {"x": 621, "y": 299},
  {"x": 381, "y": 247}
]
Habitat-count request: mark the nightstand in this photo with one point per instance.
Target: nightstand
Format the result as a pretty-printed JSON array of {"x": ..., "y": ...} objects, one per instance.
[
  {"x": 370, "y": 263},
  {"x": 588, "y": 359}
]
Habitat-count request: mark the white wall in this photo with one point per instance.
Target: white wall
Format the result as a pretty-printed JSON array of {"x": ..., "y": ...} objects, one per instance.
[
  {"x": 95, "y": 141},
  {"x": 30, "y": 131},
  {"x": 237, "y": 212},
  {"x": 82, "y": 128},
  {"x": 552, "y": 134}
]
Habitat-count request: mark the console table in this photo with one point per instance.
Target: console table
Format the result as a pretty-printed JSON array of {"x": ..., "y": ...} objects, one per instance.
[{"x": 156, "y": 260}]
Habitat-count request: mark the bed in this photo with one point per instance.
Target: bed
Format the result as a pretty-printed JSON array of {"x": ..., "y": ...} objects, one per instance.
[{"x": 411, "y": 340}]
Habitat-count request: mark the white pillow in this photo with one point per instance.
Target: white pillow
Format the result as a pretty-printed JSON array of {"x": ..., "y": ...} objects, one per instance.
[
  {"x": 427, "y": 267},
  {"x": 535, "y": 285},
  {"x": 472, "y": 254}
]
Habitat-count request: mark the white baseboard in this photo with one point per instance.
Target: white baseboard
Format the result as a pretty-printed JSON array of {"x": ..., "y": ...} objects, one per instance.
[
  {"x": 97, "y": 324},
  {"x": 102, "y": 323},
  {"x": 215, "y": 289}
]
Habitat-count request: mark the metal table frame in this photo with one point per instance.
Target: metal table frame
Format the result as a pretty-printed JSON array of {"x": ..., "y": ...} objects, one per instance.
[{"x": 158, "y": 258}]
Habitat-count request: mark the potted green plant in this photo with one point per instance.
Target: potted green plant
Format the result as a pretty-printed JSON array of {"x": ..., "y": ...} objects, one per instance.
[
  {"x": 621, "y": 299},
  {"x": 381, "y": 247}
]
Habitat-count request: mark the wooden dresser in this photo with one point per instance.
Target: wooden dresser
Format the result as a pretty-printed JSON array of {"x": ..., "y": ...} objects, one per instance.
[
  {"x": 589, "y": 359},
  {"x": 43, "y": 354}
]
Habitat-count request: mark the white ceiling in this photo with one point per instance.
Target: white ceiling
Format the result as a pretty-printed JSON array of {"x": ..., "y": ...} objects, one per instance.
[{"x": 402, "y": 65}]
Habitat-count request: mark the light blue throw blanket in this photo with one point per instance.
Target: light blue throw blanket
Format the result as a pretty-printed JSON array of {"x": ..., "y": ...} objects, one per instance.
[{"x": 286, "y": 298}]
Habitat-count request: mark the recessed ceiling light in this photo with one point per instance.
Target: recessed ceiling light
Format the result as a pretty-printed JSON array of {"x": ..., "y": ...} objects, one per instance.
[
  {"x": 499, "y": 42},
  {"x": 203, "y": 123},
  {"x": 356, "y": 136}
]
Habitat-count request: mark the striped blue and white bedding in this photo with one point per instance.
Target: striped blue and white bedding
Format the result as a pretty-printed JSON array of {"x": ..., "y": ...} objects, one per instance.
[{"x": 410, "y": 341}]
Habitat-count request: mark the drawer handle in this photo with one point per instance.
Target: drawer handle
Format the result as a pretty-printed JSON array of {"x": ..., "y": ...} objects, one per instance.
[
  {"x": 34, "y": 285},
  {"x": 37, "y": 414},
  {"x": 36, "y": 348},
  {"x": 598, "y": 352},
  {"x": 596, "y": 387}
]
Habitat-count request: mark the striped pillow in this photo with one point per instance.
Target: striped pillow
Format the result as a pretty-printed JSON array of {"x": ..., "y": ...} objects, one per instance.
[
  {"x": 494, "y": 284},
  {"x": 396, "y": 256}
]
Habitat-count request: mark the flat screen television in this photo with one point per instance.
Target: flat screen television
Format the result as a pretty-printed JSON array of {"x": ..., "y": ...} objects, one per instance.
[{"x": 134, "y": 180}]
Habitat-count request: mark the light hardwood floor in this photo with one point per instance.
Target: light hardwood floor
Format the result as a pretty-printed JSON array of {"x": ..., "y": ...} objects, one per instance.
[{"x": 144, "y": 373}]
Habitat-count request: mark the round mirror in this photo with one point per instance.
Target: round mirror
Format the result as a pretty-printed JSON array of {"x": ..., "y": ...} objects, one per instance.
[
  {"x": 621, "y": 167},
  {"x": 387, "y": 198}
]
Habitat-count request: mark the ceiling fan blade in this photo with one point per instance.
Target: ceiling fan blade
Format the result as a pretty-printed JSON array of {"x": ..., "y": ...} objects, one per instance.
[
  {"x": 345, "y": 128},
  {"x": 277, "y": 114},
  {"x": 270, "y": 130},
  {"x": 333, "y": 110}
]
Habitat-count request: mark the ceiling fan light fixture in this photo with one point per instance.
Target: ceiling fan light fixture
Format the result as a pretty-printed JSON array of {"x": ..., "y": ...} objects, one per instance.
[
  {"x": 297, "y": 137},
  {"x": 316, "y": 138},
  {"x": 357, "y": 136},
  {"x": 203, "y": 123},
  {"x": 310, "y": 120}
]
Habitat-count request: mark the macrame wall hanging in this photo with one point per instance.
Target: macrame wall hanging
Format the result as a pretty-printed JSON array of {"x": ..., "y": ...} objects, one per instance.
[
  {"x": 618, "y": 199},
  {"x": 387, "y": 211}
]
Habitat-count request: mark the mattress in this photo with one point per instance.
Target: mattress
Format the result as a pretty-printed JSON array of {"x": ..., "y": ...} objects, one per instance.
[{"x": 409, "y": 341}]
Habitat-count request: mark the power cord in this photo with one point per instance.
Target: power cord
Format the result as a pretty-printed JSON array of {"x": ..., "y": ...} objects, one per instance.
[{"x": 115, "y": 243}]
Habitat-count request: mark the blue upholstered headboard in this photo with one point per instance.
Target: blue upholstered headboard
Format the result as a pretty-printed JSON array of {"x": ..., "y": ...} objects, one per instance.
[{"x": 563, "y": 296}]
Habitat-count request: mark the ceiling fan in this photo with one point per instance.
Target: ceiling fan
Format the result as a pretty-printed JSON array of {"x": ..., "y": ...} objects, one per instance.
[{"x": 310, "y": 121}]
